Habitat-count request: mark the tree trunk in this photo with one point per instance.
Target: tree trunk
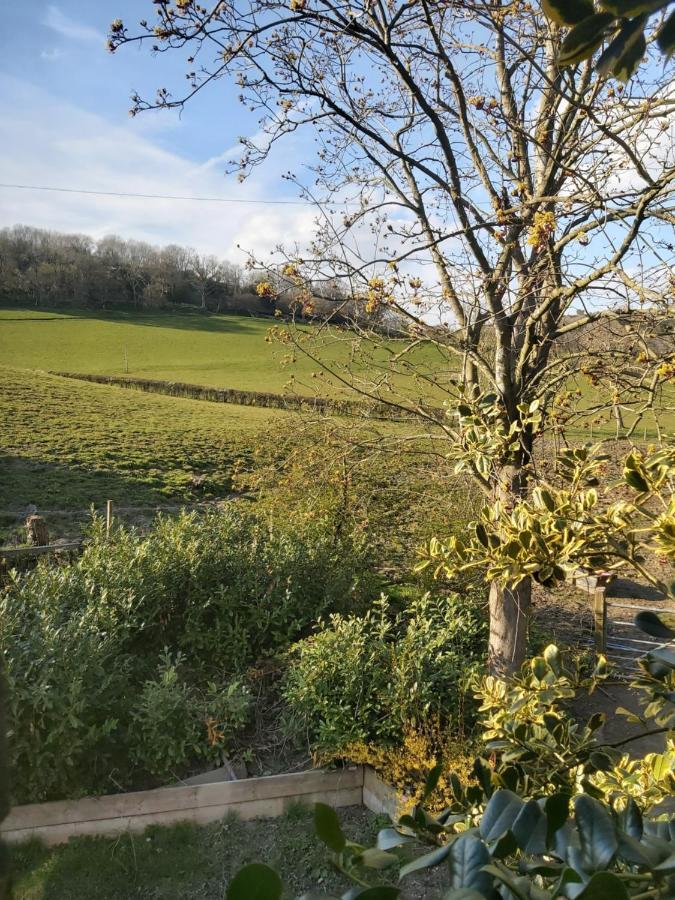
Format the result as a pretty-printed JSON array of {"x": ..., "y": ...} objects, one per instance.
[
  {"x": 509, "y": 617},
  {"x": 509, "y": 604}
]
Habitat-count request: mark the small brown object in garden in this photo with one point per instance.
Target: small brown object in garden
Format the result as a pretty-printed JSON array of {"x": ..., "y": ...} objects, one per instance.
[{"x": 37, "y": 531}]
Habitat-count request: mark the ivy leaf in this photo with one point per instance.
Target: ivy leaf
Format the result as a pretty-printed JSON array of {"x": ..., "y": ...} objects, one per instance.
[
  {"x": 597, "y": 833},
  {"x": 585, "y": 38},
  {"x": 327, "y": 827},
  {"x": 255, "y": 882}
]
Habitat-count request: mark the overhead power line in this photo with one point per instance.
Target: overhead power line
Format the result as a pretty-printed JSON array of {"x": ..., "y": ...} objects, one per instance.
[{"x": 64, "y": 190}]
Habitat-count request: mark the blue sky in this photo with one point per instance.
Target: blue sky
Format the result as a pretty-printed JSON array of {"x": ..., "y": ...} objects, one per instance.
[{"x": 64, "y": 104}]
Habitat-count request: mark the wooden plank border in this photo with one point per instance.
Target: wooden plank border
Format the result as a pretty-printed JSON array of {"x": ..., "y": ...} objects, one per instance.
[{"x": 249, "y": 798}]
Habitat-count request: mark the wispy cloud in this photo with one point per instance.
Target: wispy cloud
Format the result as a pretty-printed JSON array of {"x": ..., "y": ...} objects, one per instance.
[
  {"x": 52, "y": 55},
  {"x": 69, "y": 28},
  {"x": 49, "y": 142}
]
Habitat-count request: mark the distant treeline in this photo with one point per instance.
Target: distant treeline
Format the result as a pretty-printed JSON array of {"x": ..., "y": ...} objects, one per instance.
[
  {"x": 46, "y": 268},
  {"x": 361, "y": 408}
]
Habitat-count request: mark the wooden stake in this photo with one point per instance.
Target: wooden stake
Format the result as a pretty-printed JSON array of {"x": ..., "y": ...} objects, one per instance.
[
  {"x": 108, "y": 516},
  {"x": 600, "y": 619}
]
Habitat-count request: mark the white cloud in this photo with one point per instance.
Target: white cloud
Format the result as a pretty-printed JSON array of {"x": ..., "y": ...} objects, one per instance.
[
  {"x": 70, "y": 28},
  {"x": 49, "y": 142},
  {"x": 53, "y": 55}
]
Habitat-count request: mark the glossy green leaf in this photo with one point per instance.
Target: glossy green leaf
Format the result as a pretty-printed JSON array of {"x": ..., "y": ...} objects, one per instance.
[
  {"x": 468, "y": 855},
  {"x": 255, "y": 882},
  {"x": 499, "y": 815},
  {"x": 374, "y": 858},
  {"x": 567, "y": 12},
  {"x": 383, "y": 892},
  {"x": 604, "y": 886},
  {"x": 658, "y": 625},
  {"x": 327, "y": 827},
  {"x": 462, "y": 894},
  {"x": 625, "y": 51},
  {"x": 585, "y": 38},
  {"x": 597, "y": 833},
  {"x": 666, "y": 36},
  {"x": 631, "y": 819},
  {"x": 388, "y": 838},
  {"x": 529, "y": 828},
  {"x": 557, "y": 808},
  {"x": 432, "y": 780},
  {"x": 626, "y": 9}
]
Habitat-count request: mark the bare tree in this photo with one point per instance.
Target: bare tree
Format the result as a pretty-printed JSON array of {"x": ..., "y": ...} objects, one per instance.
[{"x": 457, "y": 145}]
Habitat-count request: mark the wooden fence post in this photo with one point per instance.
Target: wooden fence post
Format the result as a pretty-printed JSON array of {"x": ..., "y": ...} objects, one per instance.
[
  {"x": 108, "y": 517},
  {"x": 600, "y": 619}
]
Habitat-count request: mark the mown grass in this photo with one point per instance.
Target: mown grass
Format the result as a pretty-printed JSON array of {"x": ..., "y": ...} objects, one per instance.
[
  {"x": 66, "y": 444},
  {"x": 185, "y": 860}
]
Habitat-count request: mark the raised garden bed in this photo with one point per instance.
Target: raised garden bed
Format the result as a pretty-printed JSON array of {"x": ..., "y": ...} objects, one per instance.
[{"x": 270, "y": 796}]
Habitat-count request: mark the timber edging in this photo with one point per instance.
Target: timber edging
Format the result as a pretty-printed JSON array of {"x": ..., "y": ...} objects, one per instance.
[{"x": 250, "y": 798}]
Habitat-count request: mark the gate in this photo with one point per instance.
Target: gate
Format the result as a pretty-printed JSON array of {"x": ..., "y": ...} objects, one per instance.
[{"x": 615, "y": 633}]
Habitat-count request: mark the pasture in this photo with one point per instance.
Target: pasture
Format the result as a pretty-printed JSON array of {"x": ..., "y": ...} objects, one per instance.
[
  {"x": 215, "y": 350},
  {"x": 65, "y": 445}
]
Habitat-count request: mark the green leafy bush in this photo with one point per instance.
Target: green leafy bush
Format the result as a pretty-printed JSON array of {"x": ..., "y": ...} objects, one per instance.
[
  {"x": 82, "y": 643},
  {"x": 370, "y": 678},
  {"x": 173, "y": 721}
]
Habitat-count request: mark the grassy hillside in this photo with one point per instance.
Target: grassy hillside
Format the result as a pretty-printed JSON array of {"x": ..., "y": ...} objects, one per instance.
[
  {"x": 220, "y": 351},
  {"x": 65, "y": 444}
]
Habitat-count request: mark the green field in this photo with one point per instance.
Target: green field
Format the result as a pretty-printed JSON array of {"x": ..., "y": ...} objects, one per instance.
[
  {"x": 219, "y": 351},
  {"x": 66, "y": 444}
]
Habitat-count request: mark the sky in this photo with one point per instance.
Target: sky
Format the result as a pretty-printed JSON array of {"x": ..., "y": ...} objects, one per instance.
[{"x": 64, "y": 104}]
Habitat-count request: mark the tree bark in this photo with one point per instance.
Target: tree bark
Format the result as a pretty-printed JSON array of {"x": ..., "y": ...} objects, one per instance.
[
  {"x": 509, "y": 604},
  {"x": 509, "y": 617}
]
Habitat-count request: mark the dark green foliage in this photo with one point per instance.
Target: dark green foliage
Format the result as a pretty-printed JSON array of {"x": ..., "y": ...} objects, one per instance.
[
  {"x": 368, "y": 678},
  {"x": 4, "y": 781},
  {"x": 511, "y": 834},
  {"x": 128, "y": 660},
  {"x": 622, "y": 22}
]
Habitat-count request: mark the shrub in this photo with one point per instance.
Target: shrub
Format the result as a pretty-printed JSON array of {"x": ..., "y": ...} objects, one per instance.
[
  {"x": 81, "y": 643},
  {"x": 67, "y": 681},
  {"x": 174, "y": 722},
  {"x": 373, "y": 678}
]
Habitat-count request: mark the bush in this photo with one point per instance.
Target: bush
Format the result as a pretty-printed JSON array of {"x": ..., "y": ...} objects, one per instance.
[
  {"x": 373, "y": 678},
  {"x": 82, "y": 643},
  {"x": 174, "y": 722}
]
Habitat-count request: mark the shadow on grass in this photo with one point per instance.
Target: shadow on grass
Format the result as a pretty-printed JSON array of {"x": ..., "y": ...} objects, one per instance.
[
  {"x": 65, "y": 495},
  {"x": 185, "y": 320}
]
